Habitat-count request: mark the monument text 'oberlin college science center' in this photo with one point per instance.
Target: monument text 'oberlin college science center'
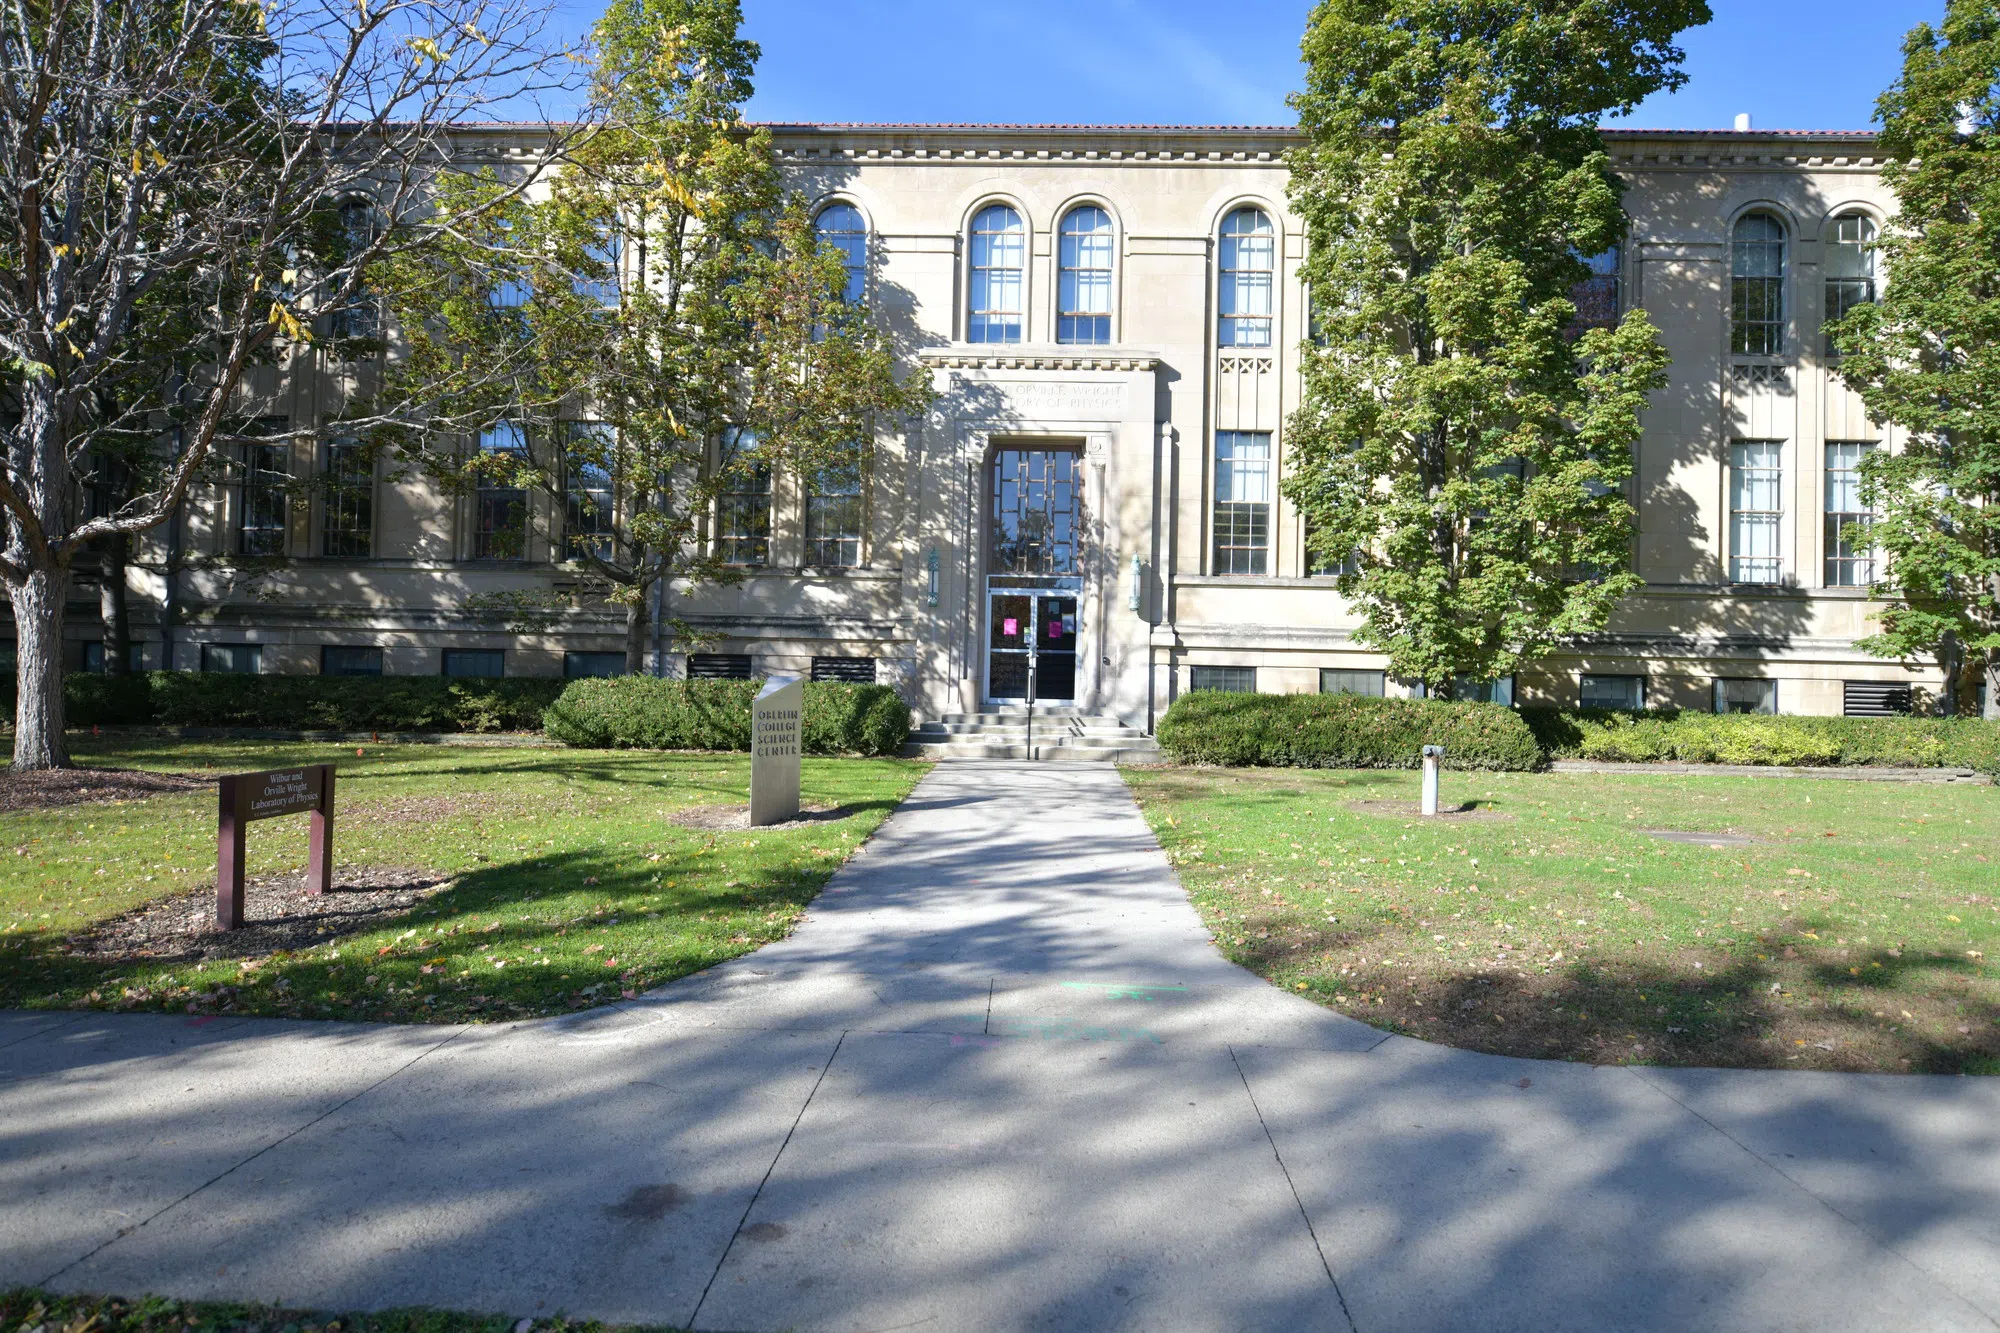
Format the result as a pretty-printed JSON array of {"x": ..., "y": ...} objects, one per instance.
[{"x": 1112, "y": 319}]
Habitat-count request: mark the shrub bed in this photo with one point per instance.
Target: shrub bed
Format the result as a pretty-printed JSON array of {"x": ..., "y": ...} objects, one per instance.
[
  {"x": 304, "y": 703},
  {"x": 645, "y": 713},
  {"x": 1343, "y": 731},
  {"x": 1805, "y": 742}
]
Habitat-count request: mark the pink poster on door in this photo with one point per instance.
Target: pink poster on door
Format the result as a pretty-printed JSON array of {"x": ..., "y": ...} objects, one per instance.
[
  {"x": 1055, "y": 629},
  {"x": 1010, "y": 627}
]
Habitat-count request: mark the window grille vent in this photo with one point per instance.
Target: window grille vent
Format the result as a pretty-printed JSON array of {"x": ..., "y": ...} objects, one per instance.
[
  {"x": 846, "y": 670},
  {"x": 1877, "y": 698},
  {"x": 719, "y": 666}
]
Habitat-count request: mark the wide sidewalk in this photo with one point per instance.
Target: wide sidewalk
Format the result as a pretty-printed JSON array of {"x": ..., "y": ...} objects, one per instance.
[{"x": 999, "y": 1079}]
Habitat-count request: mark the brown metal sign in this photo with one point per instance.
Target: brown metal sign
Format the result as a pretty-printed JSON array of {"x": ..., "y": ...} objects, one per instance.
[{"x": 245, "y": 797}]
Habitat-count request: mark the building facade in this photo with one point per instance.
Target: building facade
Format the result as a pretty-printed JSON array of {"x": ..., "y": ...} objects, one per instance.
[{"x": 1112, "y": 319}]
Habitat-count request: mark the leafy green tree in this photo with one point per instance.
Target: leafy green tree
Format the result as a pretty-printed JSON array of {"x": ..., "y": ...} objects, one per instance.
[
  {"x": 1927, "y": 357},
  {"x": 603, "y": 343},
  {"x": 1461, "y": 452}
]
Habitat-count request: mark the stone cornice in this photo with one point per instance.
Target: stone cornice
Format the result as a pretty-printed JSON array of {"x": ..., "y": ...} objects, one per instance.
[
  {"x": 971, "y": 358},
  {"x": 1267, "y": 144}
]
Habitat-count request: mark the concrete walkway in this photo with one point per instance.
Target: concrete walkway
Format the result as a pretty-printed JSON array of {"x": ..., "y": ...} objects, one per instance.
[{"x": 998, "y": 1080}]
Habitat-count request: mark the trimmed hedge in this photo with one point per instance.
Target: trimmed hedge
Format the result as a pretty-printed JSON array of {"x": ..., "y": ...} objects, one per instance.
[
  {"x": 1343, "y": 731},
  {"x": 304, "y": 703},
  {"x": 1785, "y": 741},
  {"x": 646, "y": 713}
]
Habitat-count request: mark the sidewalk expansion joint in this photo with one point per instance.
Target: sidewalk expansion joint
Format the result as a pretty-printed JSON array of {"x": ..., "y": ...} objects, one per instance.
[
  {"x": 1814, "y": 1195},
  {"x": 231, "y": 1170},
  {"x": 758, "y": 1193},
  {"x": 1292, "y": 1185}
]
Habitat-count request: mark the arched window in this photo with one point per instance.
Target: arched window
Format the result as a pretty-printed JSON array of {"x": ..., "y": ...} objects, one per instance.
[
  {"x": 1248, "y": 260},
  {"x": 843, "y": 227},
  {"x": 997, "y": 302},
  {"x": 1850, "y": 267},
  {"x": 1757, "y": 286},
  {"x": 1083, "y": 299}
]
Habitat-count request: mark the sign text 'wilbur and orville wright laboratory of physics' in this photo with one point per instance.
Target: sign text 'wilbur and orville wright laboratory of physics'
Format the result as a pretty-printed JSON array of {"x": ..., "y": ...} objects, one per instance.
[{"x": 244, "y": 797}]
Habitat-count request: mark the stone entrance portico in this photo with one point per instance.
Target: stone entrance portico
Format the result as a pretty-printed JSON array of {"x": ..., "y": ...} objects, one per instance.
[{"x": 1107, "y": 410}]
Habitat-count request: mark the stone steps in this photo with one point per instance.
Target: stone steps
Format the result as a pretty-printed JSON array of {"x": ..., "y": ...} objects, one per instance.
[{"x": 1061, "y": 735}]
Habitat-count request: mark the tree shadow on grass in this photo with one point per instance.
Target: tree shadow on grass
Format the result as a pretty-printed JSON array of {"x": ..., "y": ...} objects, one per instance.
[
  {"x": 540, "y": 935},
  {"x": 1794, "y": 1007}
]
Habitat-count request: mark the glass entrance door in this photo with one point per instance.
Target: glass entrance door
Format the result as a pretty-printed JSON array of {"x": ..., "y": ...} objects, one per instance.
[{"x": 1031, "y": 631}]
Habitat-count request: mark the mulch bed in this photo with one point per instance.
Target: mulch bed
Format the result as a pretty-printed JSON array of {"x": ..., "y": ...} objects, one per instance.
[
  {"x": 53, "y": 788},
  {"x": 736, "y": 818},
  {"x": 1470, "y": 810},
  {"x": 278, "y": 914}
]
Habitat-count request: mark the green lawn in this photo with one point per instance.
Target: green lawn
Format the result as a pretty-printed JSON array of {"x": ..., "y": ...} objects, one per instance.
[
  {"x": 26, "y": 1309},
  {"x": 1858, "y": 934},
  {"x": 569, "y": 883}
]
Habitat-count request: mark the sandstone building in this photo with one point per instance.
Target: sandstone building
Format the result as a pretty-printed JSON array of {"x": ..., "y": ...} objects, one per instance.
[{"x": 1111, "y": 317}]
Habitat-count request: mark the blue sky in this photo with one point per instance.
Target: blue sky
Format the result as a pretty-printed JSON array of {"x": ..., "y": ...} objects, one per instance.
[{"x": 1792, "y": 64}]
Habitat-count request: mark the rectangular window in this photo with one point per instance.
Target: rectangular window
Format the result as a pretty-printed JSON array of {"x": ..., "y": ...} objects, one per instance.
[
  {"x": 1319, "y": 566},
  {"x": 1227, "y": 680},
  {"x": 1756, "y": 510},
  {"x": 743, "y": 505},
  {"x": 833, "y": 518},
  {"x": 476, "y": 663},
  {"x": 348, "y": 526},
  {"x": 1745, "y": 696},
  {"x": 1336, "y": 681},
  {"x": 719, "y": 666},
  {"x": 93, "y": 657},
  {"x": 602, "y": 269},
  {"x": 341, "y": 660},
  {"x": 1626, "y": 693},
  {"x": 1596, "y": 297},
  {"x": 1877, "y": 698},
  {"x": 263, "y": 483},
  {"x": 1466, "y": 690},
  {"x": 237, "y": 659},
  {"x": 1850, "y": 561},
  {"x": 510, "y": 289},
  {"x": 1242, "y": 502},
  {"x": 847, "y": 670},
  {"x": 578, "y": 666},
  {"x": 356, "y": 319},
  {"x": 500, "y": 509},
  {"x": 592, "y": 447}
]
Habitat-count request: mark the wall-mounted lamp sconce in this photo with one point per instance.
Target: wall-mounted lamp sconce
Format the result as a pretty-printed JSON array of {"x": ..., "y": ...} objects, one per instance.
[
  {"x": 931, "y": 578},
  {"x": 1136, "y": 598}
]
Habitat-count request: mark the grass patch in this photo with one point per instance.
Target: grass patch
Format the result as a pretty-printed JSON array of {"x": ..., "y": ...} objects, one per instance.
[
  {"x": 570, "y": 884},
  {"x": 1857, "y": 932},
  {"x": 27, "y": 1309}
]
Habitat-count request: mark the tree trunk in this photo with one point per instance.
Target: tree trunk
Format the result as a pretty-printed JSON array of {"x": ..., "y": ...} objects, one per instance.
[
  {"x": 1950, "y": 662},
  {"x": 1992, "y": 709},
  {"x": 38, "y": 643},
  {"x": 636, "y": 625},
  {"x": 114, "y": 606}
]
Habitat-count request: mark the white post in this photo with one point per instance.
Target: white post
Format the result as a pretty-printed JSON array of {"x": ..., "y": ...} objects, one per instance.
[
  {"x": 1432, "y": 753},
  {"x": 777, "y": 727}
]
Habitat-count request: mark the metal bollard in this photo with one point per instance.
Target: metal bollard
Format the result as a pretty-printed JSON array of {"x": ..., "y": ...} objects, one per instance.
[{"x": 1432, "y": 754}]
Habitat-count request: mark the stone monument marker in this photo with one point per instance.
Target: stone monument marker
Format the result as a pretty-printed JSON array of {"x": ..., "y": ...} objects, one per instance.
[{"x": 777, "y": 734}]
